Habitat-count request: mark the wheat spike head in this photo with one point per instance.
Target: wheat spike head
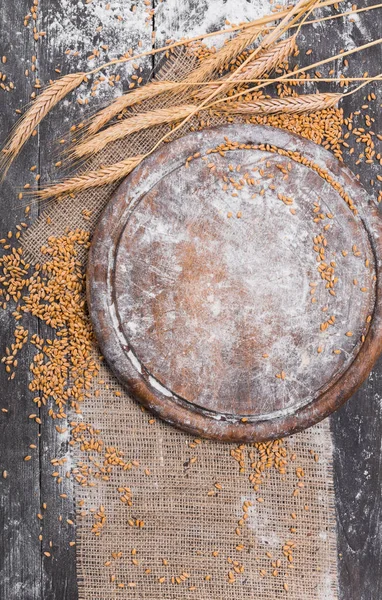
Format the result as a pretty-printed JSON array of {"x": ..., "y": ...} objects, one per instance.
[
  {"x": 126, "y": 127},
  {"x": 306, "y": 103},
  {"x": 25, "y": 127},
  {"x": 265, "y": 63},
  {"x": 91, "y": 179}
]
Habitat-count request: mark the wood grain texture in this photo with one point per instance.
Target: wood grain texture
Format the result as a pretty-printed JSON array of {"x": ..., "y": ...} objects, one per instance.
[
  {"x": 20, "y": 501},
  {"x": 357, "y": 426},
  {"x": 26, "y": 573}
]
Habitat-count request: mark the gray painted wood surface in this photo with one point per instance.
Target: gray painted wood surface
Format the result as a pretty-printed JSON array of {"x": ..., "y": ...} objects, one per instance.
[{"x": 26, "y": 574}]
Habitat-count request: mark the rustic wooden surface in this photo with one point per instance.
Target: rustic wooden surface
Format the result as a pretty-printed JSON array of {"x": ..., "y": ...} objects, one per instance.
[{"x": 357, "y": 428}]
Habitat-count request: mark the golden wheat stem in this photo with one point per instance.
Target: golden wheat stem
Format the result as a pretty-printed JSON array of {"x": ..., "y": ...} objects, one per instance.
[
  {"x": 128, "y": 126},
  {"x": 294, "y": 80},
  {"x": 35, "y": 114},
  {"x": 91, "y": 179},
  {"x": 359, "y": 87}
]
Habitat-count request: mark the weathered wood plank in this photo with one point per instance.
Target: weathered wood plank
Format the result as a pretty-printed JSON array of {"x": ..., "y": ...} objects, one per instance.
[
  {"x": 80, "y": 28},
  {"x": 357, "y": 427},
  {"x": 357, "y": 430},
  {"x": 20, "y": 548}
]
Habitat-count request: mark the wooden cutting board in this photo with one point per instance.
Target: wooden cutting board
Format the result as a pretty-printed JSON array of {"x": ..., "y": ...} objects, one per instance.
[{"x": 233, "y": 283}]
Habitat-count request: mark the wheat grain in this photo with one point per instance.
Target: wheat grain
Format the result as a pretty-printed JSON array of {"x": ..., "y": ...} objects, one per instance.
[
  {"x": 35, "y": 114},
  {"x": 136, "y": 123}
]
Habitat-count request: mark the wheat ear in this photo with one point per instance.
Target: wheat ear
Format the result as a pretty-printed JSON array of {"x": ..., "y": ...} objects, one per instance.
[
  {"x": 150, "y": 90},
  {"x": 293, "y": 74},
  {"x": 91, "y": 179},
  {"x": 306, "y": 103},
  {"x": 265, "y": 63},
  {"x": 138, "y": 122},
  {"x": 35, "y": 114},
  {"x": 113, "y": 173}
]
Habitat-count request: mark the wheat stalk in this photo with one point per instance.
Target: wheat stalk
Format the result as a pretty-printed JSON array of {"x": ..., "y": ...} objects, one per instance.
[
  {"x": 136, "y": 123},
  {"x": 91, "y": 179},
  {"x": 152, "y": 90},
  {"x": 306, "y": 103},
  {"x": 265, "y": 63},
  {"x": 35, "y": 114},
  {"x": 10, "y": 155}
]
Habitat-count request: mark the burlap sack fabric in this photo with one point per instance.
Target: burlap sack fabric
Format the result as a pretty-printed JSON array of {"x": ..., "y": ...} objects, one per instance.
[{"x": 187, "y": 528}]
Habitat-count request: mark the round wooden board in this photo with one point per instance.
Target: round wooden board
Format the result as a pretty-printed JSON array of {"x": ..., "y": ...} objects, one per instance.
[{"x": 235, "y": 295}]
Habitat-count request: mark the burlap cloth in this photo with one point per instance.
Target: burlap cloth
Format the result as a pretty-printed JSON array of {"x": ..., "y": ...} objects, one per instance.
[{"x": 183, "y": 524}]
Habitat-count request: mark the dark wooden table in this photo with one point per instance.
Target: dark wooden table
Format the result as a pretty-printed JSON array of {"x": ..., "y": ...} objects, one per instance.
[{"x": 25, "y": 572}]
